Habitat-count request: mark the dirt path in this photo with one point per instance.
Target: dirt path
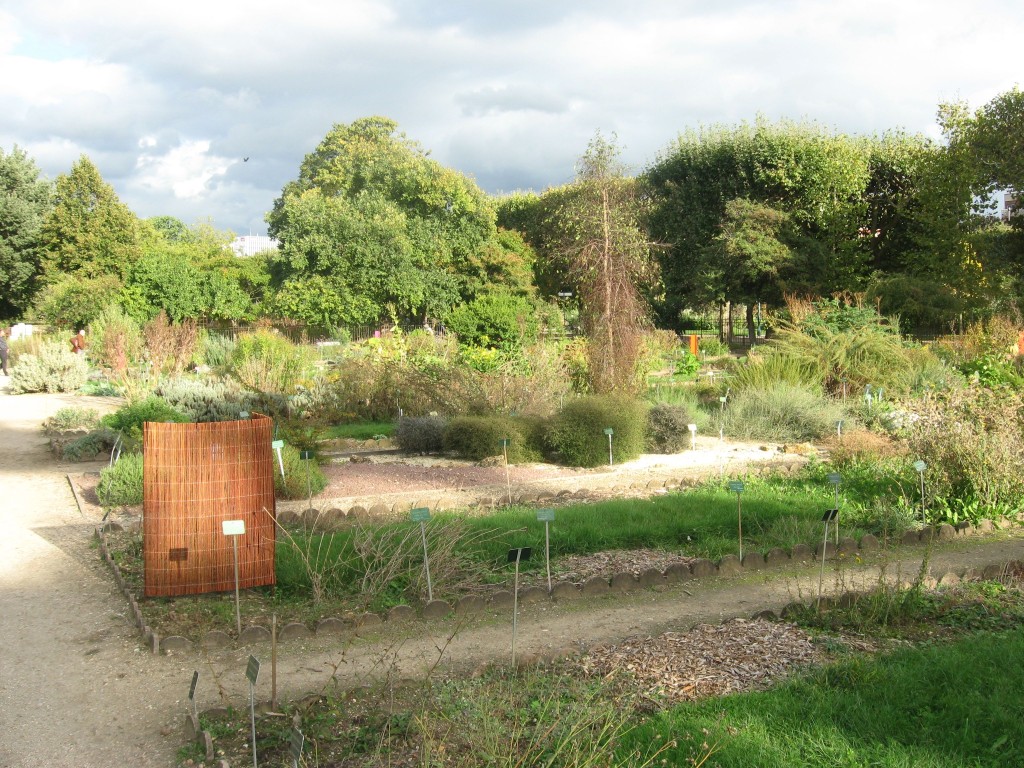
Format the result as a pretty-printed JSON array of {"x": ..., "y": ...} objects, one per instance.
[{"x": 77, "y": 689}]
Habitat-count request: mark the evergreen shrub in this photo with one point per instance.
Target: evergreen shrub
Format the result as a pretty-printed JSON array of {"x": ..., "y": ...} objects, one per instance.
[
  {"x": 54, "y": 369},
  {"x": 129, "y": 420},
  {"x": 577, "y": 434},
  {"x": 478, "y": 437},
  {"x": 421, "y": 434},
  {"x": 203, "y": 400},
  {"x": 668, "y": 428},
  {"x": 296, "y": 483},
  {"x": 121, "y": 484}
]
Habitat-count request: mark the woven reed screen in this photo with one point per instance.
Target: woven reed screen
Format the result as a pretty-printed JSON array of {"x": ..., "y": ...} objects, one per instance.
[{"x": 195, "y": 476}]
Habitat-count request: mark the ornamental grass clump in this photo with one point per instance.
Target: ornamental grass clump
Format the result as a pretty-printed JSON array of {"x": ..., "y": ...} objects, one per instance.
[{"x": 782, "y": 411}]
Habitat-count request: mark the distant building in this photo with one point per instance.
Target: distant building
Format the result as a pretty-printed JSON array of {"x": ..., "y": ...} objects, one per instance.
[
  {"x": 1010, "y": 205},
  {"x": 250, "y": 245}
]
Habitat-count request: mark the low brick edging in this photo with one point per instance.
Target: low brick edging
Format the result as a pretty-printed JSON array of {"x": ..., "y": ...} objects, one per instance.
[{"x": 727, "y": 566}]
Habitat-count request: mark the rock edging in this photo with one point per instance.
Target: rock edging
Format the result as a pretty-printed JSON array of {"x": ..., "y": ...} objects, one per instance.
[{"x": 727, "y": 566}]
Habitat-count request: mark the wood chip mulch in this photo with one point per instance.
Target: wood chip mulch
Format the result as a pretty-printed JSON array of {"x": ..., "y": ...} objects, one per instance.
[{"x": 740, "y": 655}]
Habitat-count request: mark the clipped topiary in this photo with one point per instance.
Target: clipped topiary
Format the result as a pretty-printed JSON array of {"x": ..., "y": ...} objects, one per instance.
[
  {"x": 478, "y": 437},
  {"x": 302, "y": 477},
  {"x": 577, "y": 432},
  {"x": 421, "y": 434}
]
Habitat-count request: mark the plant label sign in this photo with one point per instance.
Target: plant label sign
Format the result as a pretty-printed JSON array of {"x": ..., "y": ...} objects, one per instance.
[
  {"x": 692, "y": 427},
  {"x": 736, "y": 486},
  {"x": 192, "y": 688},
  {"x": 546, "y": 515},
  {"x": 609, "y": 431},
  {"x": 252, "y": 670},
  {"x": 306, "y": 455},
  {"x": 277, "y": 445},
  {"x": 505, "y": 442},
  {"x": 830, "y": 515},
  {"x": 420, "y": 514},
  {"x": 233, "y": 527},
  {"x": 296, "y": 743},
  {"x": 834, "y": 478},
  {"x": 920, "y": 466}
]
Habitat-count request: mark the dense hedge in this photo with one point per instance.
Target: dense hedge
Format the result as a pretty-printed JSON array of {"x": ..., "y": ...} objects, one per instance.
[{"x": 477, "y": 437}]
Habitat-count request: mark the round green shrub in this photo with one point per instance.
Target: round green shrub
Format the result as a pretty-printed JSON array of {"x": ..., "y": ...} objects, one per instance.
[
  {"x": 121, "y": 484},
  {"x": 577, "y": 433},
  {"x": 668, "y": 428},
  {"x": 129, "y": 420},
  {"x": 421, "y": 434},
  {"x": 302, "y": 477},
  {"x": 53, "y": 369},
  {"x": 478, "y": 437}
]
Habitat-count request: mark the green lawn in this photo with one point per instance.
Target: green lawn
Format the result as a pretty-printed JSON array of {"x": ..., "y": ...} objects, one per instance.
[{"x": 945, "y": 706}]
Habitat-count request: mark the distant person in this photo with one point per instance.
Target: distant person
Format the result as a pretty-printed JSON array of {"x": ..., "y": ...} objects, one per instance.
[
  {"x": 3, "y": 351},
  {"x": 78, "y": 343}
]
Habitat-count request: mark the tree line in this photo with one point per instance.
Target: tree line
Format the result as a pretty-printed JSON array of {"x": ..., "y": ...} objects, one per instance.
[{"x": 373, "y": 230}]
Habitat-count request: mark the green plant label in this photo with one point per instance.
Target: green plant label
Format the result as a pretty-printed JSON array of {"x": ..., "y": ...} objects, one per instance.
[
  {"x": 736, "y": 486},
  {"x": 295, "y": 744},
  {"x": 252, "y": 670},
  {"x": 277, "y": 445},
  {"x": 920, "y": 466},
  {"x": 420, "y": 515},
  {"x": 609, "y": 431},
  {"x": 305, "y": 455},
  {"x": 546, "y": 515},
  {"x": 834, "y": 478},
  {"x": 233, "y": 527},
  {"x": 505, "y": 442}
]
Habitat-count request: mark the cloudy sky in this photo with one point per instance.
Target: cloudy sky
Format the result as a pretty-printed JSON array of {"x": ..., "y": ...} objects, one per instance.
[{"x": 167, "y": 99}]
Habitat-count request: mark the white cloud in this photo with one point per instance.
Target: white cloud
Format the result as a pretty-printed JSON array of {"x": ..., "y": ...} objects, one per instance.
[
  {"x": 168, "y": 98},
  {"x": 185, "y": 170}
]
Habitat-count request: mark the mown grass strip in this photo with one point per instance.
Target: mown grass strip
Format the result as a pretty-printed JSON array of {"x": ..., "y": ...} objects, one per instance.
[{"x": 943, "y": 706}]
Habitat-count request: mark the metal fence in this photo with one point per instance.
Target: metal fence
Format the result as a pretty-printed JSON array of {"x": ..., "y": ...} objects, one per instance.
[{"x": 195, "y": 477}]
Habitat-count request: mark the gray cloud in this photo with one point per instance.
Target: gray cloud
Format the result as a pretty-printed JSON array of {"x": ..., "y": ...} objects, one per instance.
[{"x": 167, "y": 100}]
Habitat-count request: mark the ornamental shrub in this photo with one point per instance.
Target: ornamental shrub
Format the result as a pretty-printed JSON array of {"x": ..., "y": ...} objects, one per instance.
[
  {"x": 302, "y": 477},
  {"x": 269, "y": 363},
  {"x": 421, "y": 434},
  {"x": 54, "y": 369},
  {"x": 129, "y": 420},
  {"x": 577, "y": 433},
  {"x": 90, "y": 445},
  {"x": 668, "y": 428},
  {"x": 203, "y": 400},
  {"x": 121, "y": 484},
  {"x": 478, "y": 437},
  {"x": 71, "y": 418}
]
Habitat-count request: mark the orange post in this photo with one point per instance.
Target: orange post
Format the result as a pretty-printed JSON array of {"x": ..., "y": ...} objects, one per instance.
[{"x": 693, "y": 344}]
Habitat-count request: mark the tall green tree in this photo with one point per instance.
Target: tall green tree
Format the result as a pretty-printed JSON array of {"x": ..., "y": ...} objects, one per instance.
[
  {"x": 751, "y": 255},
  {"x": 89, "y": 232},
  {"x": 379, "y": 227},
  {"x": 24, "y": 204}
]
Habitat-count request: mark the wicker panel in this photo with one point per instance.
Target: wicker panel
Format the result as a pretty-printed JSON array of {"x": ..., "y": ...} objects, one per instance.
[{"x": 196, "y": 476}]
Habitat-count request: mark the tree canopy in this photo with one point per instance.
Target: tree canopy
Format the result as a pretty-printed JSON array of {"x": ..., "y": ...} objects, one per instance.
[
  {"x": 380, "y": 230},
  {"x": 24, "y": 205}
]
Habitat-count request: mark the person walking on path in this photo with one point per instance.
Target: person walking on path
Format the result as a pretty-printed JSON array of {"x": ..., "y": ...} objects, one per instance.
[{"x": 3, "y": 351}]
